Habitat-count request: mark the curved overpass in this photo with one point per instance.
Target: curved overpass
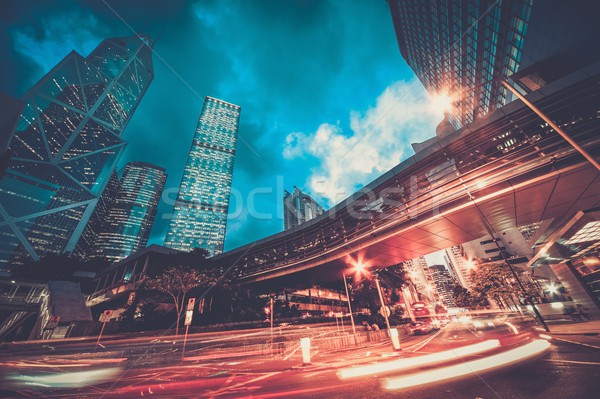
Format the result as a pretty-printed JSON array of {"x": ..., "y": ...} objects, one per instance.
[{"x": 505, "y": 170}]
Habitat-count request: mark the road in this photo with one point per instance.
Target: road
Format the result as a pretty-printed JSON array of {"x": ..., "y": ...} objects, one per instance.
[{"x": 235, "y": 365}]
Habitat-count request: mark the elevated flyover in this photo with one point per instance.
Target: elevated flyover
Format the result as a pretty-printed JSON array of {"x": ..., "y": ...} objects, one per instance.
[{"x": 505, "y": 170}]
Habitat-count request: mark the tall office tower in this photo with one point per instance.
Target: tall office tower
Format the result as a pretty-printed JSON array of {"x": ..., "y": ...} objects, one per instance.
[
  {"x": 466, "y": 47},
  {"x": 445, "y": 284},
  {"x": 298, "y": 208},
  {"x": 460, "y": 48},
  {"x": 199, "y": 217},
  {"x": 455, "y": 257},
  {"x": 123, "y": 223},
  {"x": 66, "y": 145},
  {"x": 85, "y": 245}
]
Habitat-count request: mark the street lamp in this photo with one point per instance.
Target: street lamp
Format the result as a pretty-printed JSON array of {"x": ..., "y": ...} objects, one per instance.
[{"x": 349, "y": 307}]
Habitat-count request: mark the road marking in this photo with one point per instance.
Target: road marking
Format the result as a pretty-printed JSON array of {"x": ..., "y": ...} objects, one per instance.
[
  {"x": 576, "y": 343},
  {"x": 572, "y": 362},
  {"x": 417, "y": 346},
  {"x": 240, "y": 384}
]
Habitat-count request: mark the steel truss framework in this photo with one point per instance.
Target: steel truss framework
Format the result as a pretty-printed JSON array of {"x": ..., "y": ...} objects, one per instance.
[{"x": 67, "y": 144}]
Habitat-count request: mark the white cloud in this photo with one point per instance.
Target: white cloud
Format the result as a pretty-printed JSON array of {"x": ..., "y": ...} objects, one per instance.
[{"x": 380, "y": 138}]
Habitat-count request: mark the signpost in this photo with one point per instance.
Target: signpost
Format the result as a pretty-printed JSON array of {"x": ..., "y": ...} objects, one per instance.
[
  {"x": 189, "y": 314},
  {"x": 104, "y": 318}
]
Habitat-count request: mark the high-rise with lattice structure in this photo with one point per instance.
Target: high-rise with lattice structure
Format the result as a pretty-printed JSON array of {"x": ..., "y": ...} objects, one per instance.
[{"x": 66, "y": 146}]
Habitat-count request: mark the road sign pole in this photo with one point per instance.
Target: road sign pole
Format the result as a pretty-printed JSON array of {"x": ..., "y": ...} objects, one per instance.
[
  {"x": 187, "y": 327},
  {"x": 384, "y": 309},
  {"x": 350, "y": 309},
  {"x": 100, "y": 335}
]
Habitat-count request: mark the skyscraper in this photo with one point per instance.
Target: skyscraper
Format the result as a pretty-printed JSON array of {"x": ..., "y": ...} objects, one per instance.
[
  {"x": 298, "y": 208},
  {"x": 461, "y": 47},
  {"x": 444, "y": 283},
  {"x": 199, "y": 216},
  {"x": 455, "y": 256},
  {"x": 123, "y": 219},
  {"x": 465, "y": 48},
  {"x": 66, "y": 145}
]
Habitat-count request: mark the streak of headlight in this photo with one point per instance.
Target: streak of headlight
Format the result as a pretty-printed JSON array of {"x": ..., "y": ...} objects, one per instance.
[
  {"x": 489, "y": 363},
  {"x": 512, "y": 327},
  {"x": 69, "y": 379},
  {"x": 402, "y": 364}
]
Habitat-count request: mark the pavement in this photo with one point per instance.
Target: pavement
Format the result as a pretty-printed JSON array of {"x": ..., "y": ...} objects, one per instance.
[{"x": 582, "y": 328}]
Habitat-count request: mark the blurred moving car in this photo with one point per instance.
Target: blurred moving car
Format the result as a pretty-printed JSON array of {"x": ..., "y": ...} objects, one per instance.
[{"x": 421, "y": 327}]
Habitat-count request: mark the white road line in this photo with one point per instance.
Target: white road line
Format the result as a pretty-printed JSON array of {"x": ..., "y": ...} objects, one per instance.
[
  {"x": 571, "y": 362},
  {"x": 576, "y": 343},
  {"x": 417, "y": 346},
  {"x": 231, "y": 387}
]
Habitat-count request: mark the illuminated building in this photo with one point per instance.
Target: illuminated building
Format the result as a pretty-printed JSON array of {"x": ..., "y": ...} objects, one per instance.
[
  {"x": 199, "y": 216},
  {"x": 444, "y": 283},
  {"x": 123, "y": 219},
  {"x": 298, "y": 208},
  {"x": 66, "y": 145},
  {"x": 464, "y": 49},
  {"x": 461, "y": 266},
  {"x": 460, "y": 47}
]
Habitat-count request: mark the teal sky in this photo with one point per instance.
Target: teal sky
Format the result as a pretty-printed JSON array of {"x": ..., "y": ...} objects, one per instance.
[{"x": 328, "y": 104}]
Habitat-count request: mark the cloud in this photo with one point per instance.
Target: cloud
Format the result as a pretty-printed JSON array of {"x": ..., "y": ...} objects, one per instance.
[
  {"x": 380, "y": 138},
  {"x": 56, "y": 36}
]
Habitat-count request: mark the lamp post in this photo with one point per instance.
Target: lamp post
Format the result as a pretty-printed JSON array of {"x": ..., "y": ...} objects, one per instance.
[
  {"x": 384, "y": 309},
  {"x": 349, "y": 307}
]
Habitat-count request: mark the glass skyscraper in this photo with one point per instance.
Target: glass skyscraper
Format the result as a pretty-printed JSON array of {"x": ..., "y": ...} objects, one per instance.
[
  {"x": 463, "y": 48},
  {"x": 124, "y": 217},
  {"x": 199, "y": 217},
  {"x": 66, "y": 146}
]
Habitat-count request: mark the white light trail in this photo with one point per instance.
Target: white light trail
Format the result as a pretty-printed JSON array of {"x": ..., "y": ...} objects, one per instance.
[
  {"x": 472, "y": 367},
  {"x": 418, "y": 361}
]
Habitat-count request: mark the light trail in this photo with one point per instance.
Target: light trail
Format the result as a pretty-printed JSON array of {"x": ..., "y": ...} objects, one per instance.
[
  {"x": 418, "y": 361},
  {"x": 509, "y": 357}
]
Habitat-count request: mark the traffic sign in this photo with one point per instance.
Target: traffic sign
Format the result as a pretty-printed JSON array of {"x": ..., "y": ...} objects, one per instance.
[
  {"x": 188, "y": 317},
  {"x": 52, "y": 323},
  {"x": 190, "y": 305},
  {"x": 385, "y": 311},
  {"x": 105, "y": 316}
]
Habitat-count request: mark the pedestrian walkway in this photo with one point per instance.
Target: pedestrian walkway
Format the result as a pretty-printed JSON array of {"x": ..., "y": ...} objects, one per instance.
[{"x": 582, "y": 328}]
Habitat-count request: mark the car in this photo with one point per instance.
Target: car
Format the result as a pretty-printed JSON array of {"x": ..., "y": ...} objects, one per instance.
[{"x": 421, "y": 327}]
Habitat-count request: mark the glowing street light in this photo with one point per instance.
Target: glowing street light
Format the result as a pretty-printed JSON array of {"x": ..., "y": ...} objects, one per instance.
[
  {"x": 470, "y": 265},
  {"x": 359, "y": 267},
  {"x": 552, "y": 289}
]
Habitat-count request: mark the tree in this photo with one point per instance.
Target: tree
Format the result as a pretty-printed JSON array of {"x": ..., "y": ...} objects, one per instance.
[
  {"x": 177, "y": 282},
  {"x": 496, "y": 281},
  {"x": 466, "y": 299}
]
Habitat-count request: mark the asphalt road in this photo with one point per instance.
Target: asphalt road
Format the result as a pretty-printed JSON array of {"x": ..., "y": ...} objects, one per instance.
[{"x": 569, "y": 369}]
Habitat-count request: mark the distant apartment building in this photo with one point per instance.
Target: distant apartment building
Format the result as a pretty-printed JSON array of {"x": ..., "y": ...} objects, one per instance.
[{"x": 299, "y": 207}]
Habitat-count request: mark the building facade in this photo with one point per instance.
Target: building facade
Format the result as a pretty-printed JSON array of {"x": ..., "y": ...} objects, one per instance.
[
  {"x": 460, "y": 48},
  {"x": 444, "y": 283},
  {"x": 124, "y": 217},
  {"x": 66, "y": 146},
  {"x": 199, "y": 216},
  {"x": 299, "y": 207},
  {"x": 460, "y": 265}
]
